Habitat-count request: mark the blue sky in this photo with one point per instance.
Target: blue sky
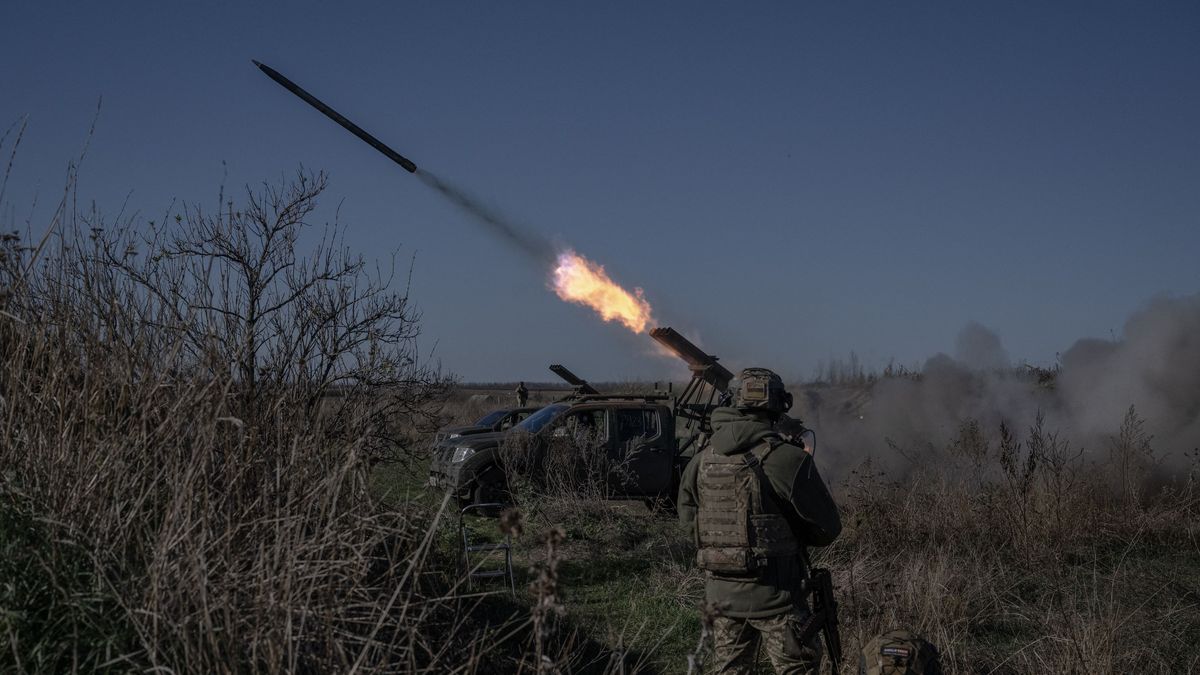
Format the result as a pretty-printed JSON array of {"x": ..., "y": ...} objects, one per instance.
[{"x": 787, "y": 181}]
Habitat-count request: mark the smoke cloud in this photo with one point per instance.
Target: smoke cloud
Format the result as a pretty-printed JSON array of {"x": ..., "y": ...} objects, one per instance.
[
  {"x": 979, "y": 348},
  {"x": 520, "y": 238},
  {"x": 1154, "y": 366}
]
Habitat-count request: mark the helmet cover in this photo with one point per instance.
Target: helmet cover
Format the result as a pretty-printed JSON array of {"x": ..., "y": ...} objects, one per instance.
[{"x": 762, "y": 389}]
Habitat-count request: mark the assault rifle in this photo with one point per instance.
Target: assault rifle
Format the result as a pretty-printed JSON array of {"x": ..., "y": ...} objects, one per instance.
[{"x": 824, "y": 612}]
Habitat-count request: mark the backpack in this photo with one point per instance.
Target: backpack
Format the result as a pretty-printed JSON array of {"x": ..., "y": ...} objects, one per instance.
[{"x": 899, "y": 652}]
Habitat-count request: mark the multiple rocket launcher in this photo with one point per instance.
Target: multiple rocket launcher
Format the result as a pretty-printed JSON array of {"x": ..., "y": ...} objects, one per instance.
[
  {"x": 710, "y": 380},
  {"x": 709, "y": 383}
]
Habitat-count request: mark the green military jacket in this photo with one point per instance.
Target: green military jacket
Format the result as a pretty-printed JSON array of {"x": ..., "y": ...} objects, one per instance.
[{"x": 802, "y": 496}]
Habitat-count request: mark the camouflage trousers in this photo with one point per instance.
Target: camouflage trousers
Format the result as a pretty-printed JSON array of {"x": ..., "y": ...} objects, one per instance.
[{"x": 736, "y": 642}]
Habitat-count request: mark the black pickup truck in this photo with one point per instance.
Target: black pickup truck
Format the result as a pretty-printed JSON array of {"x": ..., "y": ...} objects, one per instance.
[
  {"x": 637, "y": 431},
  {"x": 501, "y": 419}
]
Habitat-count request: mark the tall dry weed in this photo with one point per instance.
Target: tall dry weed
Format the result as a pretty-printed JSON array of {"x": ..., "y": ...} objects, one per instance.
[
  {"x": 188, "y": 412},
  {"x": 1017, "y": 554}
]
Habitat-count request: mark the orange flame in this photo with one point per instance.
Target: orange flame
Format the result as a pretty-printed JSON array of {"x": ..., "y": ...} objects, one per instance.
[{"x": 579, "y": 280}]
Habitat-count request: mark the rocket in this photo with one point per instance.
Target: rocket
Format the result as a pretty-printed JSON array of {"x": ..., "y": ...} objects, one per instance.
[{"x": 334, "y": 115}]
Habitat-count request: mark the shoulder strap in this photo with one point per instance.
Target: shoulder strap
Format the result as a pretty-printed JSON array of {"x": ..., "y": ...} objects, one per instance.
[
  {"x": 757, "y": 453},
  {"x": 754, "y": 458}
]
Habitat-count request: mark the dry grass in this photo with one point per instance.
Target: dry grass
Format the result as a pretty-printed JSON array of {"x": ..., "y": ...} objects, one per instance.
[
  {"x": 1014, "y": 553},
  {"x": 1020, "y": 556},
  {"x": 179, "y": 491}
]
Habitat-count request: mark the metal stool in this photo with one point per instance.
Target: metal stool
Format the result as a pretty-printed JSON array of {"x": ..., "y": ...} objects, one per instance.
[{"x": 468, "y": 547}]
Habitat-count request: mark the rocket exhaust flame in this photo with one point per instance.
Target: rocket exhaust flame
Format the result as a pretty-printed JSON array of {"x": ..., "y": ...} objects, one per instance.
[
  {"x": 579, "y": 280},
  {"x": 576, "y": 279}
]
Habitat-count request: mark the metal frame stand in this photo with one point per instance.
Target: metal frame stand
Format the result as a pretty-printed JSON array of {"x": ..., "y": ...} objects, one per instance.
[
  {"x": 709, "y": 383},
  {"x": 469, "y": 546}
]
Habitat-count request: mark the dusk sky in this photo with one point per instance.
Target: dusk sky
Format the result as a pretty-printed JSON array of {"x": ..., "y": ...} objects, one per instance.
[{"x": 786, "y": 181}]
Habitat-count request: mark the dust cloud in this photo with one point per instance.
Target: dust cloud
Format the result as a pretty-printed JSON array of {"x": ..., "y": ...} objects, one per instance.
[
  {"x": 1154, "y": 365},
  {"x": 979, "y": 348}
]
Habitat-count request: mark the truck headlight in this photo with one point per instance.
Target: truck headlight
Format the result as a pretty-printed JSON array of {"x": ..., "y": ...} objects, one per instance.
[{"x": 461, "y": 454}]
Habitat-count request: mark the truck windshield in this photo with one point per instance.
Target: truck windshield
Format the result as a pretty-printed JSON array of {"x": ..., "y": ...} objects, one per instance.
[
  {"x": 491, "y": 418},
  {"x": 541, "y": 418}
]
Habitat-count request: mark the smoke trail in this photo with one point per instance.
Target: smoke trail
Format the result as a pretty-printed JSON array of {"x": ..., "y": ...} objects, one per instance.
[{"x": 519, "y": 238}]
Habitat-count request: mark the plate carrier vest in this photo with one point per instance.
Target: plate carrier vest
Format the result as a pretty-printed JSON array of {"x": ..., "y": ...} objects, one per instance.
[{"x": 739, "y": 526}]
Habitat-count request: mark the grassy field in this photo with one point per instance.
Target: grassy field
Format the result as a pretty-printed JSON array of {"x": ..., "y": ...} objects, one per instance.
[
  {"x": 979, "y": 549},
  {"x": 230, "y": 478},
  {"x": 624, "y": 578}
]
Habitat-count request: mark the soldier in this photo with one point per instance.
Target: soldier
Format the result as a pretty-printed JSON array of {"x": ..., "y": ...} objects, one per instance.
[
  {"x": 522, "y": 395},
  {"x": 752, "y": 499}
]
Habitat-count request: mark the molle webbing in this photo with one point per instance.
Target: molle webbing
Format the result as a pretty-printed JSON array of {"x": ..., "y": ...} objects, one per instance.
[
  {"x": 724, "y": 495},
  {"x": 738, "y": 527}
]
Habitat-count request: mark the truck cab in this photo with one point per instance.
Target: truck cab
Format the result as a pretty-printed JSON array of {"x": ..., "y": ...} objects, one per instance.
[
  {"x": 635, "y": 431},
  {"x": 501, "y": 419}
]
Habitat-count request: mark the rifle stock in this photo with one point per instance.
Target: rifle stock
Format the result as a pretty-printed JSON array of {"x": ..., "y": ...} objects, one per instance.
[
  {"x": 824, "y": 612},
  {"x": 825, "y": 606}
]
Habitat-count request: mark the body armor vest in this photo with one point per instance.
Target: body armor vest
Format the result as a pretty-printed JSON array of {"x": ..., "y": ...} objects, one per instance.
[{"x": 739, "y": 527}]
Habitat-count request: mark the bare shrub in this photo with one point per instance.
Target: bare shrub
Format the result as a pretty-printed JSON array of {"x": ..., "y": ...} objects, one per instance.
[
  {"x": 850, "y": 371},
  {"x": 194, "y": 408},
  {"x": 1060, "y": 477},
  {"x": 1019, "y": 468},
  {"x": 1131, "y": 459}
]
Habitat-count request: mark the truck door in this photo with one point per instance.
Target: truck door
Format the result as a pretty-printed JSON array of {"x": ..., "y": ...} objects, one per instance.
[
  {"x": 587, "y": 429},
  {"x": 643, "y": 452},
  {"x": 585, "y": 437}
]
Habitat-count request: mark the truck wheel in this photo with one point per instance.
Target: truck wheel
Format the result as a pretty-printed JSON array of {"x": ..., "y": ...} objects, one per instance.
[{"x": 490, "y": 488}]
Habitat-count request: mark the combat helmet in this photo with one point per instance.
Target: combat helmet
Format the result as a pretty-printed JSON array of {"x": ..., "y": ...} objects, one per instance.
[
  {"x": 899, "y": 652},
  {"x": 761, "y": 389}
]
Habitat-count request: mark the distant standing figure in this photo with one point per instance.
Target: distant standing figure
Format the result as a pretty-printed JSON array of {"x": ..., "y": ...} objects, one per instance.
[{"x": 522, "y": 395}]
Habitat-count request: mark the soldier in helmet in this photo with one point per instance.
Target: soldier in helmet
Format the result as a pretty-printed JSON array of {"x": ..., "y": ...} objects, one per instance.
[
  {"x": 753, "y": 499},
  {"x": 522, "y": 395}
]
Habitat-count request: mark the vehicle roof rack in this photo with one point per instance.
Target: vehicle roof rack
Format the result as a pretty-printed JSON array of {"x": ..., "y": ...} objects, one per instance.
[{"x": 623, "y": 397}]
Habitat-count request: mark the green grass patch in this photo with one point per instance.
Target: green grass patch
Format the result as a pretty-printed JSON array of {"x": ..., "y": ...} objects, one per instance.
[{"x": 56, "y": 613}]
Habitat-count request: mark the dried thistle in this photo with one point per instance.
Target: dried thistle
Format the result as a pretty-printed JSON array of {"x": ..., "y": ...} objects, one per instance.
[{"x": 512, "y": 522}]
